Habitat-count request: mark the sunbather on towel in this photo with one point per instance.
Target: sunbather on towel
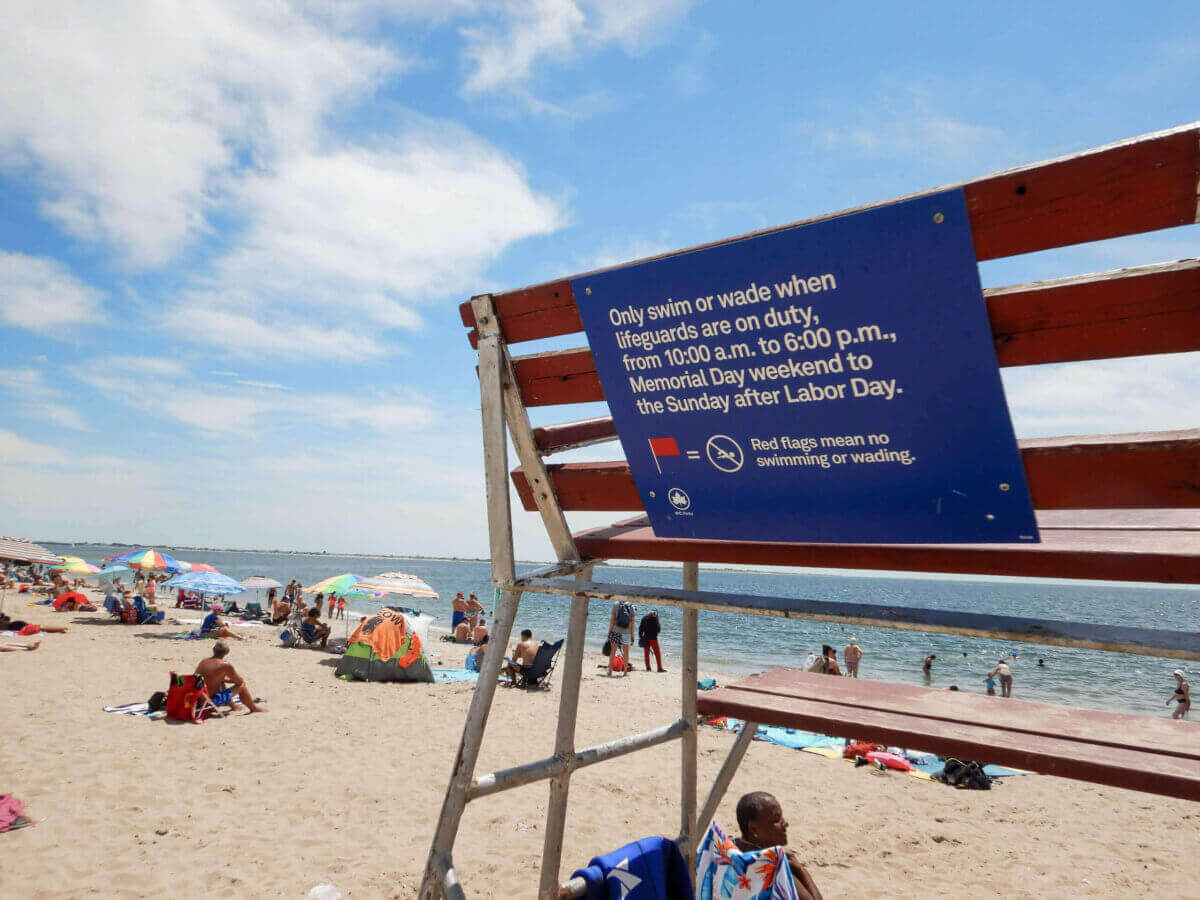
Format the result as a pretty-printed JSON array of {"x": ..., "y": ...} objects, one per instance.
[
  {"x": 760, "y": 819},
  {"x": 26, "y": 628},
  {"x": 13, "y": 648},
  {"x": 212, "y": 626},
  {"x": 223, "y": 681}
]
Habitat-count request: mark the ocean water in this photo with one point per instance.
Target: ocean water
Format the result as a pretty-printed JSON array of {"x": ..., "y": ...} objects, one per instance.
[{"x": 745, "y": 643}]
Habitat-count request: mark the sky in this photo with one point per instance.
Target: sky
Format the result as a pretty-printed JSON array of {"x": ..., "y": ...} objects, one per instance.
[{"x": 234, "y": 235}]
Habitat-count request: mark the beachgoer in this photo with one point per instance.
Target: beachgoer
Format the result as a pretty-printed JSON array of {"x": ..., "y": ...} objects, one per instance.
[
  {"x": 212, "y": 626},
  {"x": 475, "y": 658},
  {"x": 458, "y": 612},
  {"x": 341, "y": 613},
  {"x": 462, "y": 632},
  {"x": 648, "y": 630},
  {"x": 991, "y": 686},
  {"x": 222, "y": 681},
  {"x": 1182, "y": 696},
  {"x": 272, "y": 602},
  {"x": 852, "y": 654},
  {"x": 474, "y": 610},
  {"x": 1041, "y": 663},
  {"x": 13, "y": 648},
  {"x": 480, "y": 632},
  {"x": 1006, "y": 678},
  {"x": 313, "y": 629},
  {"x": 523, "y": 655},
  {"x": 283, "y": 611},
  {"x": 151, "y": 588},
  {"x": 620, "y": 635},
  {"x": 289, "y": 592},
  {"x": 929, "y": 664},
  {"x": 332, "y": 603},
  {"x": 24, "y": 629},
  {"x": 831, "y": 663},
  {"x": 762, "y": 825}
]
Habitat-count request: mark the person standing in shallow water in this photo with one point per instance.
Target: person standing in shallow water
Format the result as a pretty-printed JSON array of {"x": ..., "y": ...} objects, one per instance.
[
  {"x": 928, "y": 668},
  {"x": 1006, "y": 679},
  {"x": 1182, "y": 696},
  {"x": 852, "y": 654}
]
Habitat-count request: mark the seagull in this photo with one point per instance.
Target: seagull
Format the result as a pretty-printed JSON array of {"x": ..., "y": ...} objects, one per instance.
[{"x": 624, "y": 877}]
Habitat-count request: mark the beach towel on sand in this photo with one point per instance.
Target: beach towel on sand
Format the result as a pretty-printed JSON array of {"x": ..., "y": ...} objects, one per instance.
[
  {"x": 723, "y": 872},
  {"x": 649, "y": 869}
]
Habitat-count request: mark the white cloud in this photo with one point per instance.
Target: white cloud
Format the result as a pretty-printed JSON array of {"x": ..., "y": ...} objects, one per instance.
[
  {"x": 341, "y": 245},
  {"x": 33, "y": 398},
  {"x": 156, "y": 366},
  {"x": 43, "y": 296},
  {"x": 132, "y": 115},
  {"x": 224, "y": 409},
  {"x": 1154, "y": 393},
  {"x": 503, "y": 53}
]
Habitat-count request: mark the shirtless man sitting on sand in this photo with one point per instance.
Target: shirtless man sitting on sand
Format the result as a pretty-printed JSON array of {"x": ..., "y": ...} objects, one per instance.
[
  {"x": 220, "y": 678},
  {"x": 760, "y": 819},
  {"x": 523, "y": 655}
]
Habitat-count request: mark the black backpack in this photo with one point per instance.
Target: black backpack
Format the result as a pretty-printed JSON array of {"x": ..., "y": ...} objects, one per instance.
[{"x": 624, "y": 615}]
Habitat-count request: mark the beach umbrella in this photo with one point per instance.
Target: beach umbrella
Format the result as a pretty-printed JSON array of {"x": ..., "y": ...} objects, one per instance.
[
  {"x": 337, "y": 584},
  {"x": 23, "y": 551},
  {"x": 77, "y": 566},
  {"x": 199, "y": 567},
  {"x": 260, "y": 583},
  {"x": 155, "y": 560},
  {"x": 394, "y": 583},
  {"x": 110, "y": 572},
  {"x": 205, "y": 583}
]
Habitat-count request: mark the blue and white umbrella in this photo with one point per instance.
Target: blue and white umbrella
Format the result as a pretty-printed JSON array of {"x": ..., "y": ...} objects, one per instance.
[{"x": 205, "y": 583}]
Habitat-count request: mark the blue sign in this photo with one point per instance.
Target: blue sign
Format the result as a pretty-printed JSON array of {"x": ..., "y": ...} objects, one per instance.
[{"x": 831, "y": 382}]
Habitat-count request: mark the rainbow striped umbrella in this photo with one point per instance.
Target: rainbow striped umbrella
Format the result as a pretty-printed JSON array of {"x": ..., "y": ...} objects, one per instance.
[
  {"x": 338, "y": 584},
  {"x": 155, "y": 560},
  {"x": 77, "y": 566},
  {"x": 394, "y": 583}
]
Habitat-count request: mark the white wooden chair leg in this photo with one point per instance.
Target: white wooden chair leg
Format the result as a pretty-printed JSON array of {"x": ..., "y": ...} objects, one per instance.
[
  {"x": 687, "y": 811},
  {"x": 564, "y": 743}
]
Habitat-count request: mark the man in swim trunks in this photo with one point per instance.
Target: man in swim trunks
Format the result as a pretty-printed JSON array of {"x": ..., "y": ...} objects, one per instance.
[
  {"x": 852, "y": 654},
  {"x": 928, "y": 668},
  {"x": 458, "y": 612},
  {"x": 1005, "y": 674},
  {"x": 223, "y": 681},
  {"x": 1182, "y": 696},
  {"x": 523, "y": 655},
  {"x": 760, "y": 819}
]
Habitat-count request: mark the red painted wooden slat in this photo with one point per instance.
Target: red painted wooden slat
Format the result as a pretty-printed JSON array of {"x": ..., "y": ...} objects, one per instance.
[
  {"x": 1169, "y": 557},
  {"x": 1053, "y": 740},
  {"x": 1143, "y": 184},
  {"x": 555, "y": 438},
  {"x": 1140, "y": 471},
  {"x": 1128, "y": 312}
]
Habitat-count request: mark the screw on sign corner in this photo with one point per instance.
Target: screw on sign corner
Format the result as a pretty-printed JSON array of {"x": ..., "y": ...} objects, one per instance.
[{"x": 938, "y": 218}]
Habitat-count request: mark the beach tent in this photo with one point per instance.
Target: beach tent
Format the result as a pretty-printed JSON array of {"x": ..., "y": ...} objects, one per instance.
[{"x": 385, "y": 647}]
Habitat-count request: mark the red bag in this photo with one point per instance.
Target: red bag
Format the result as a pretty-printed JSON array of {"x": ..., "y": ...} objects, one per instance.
[
  {"x": 861, "y": 748},
  {"x": 187, "y": 700}
]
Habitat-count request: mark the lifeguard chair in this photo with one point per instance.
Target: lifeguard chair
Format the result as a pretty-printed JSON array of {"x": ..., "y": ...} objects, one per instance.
[{"x": 1119, "y": 507}]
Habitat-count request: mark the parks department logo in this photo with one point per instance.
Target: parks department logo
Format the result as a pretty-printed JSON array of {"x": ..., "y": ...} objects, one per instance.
[{"x": 679, "y": 499}]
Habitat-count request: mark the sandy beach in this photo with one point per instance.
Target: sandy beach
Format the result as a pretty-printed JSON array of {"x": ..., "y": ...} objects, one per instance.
[{"x": 341, "y": 783}]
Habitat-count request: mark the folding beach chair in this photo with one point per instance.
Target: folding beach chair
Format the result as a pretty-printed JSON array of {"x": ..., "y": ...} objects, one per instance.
[
  {"x": 146, "y": 615},
  {"x": 253, "y": 611},
  {"x": 188, "y": 699},
  {"x": 537, "y": 674}
]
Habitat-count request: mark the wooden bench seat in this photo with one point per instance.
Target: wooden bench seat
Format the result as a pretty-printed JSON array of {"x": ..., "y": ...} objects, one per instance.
[{"x": 1159, "y": 756}]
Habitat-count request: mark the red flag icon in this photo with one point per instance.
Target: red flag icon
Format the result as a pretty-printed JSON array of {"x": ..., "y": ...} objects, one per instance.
[{"x": 664, "y": 446}]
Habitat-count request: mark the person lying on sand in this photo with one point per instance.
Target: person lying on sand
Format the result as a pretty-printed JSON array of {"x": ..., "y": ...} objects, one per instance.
[
  {"x": 760, "y": 819},
  {"x": 212, "y": 626},
  {"x": 13, "y": 648},
  {"x": 523, "y": 655},
  {"x": 223, "y": 681},
  {"x": 25, "y": 628}
]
